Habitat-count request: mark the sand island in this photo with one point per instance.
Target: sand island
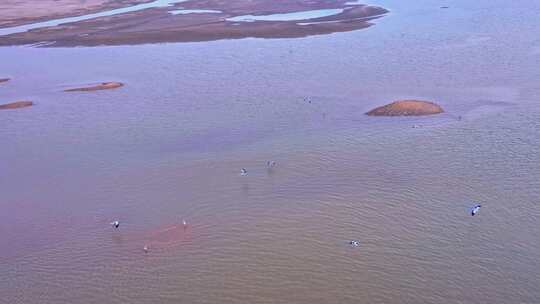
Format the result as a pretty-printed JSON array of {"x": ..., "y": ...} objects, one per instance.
[
  {"x": 97, "y": 87},
  {"x": 4, "y": 80},
  {"x": 180, "y": 21},
  {"x": 16, "y": 105},
  {"x": 407, "y": 108}
]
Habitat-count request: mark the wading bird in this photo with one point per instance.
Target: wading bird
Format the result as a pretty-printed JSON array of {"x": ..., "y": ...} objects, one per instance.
[{"x": 475, "y": 210}]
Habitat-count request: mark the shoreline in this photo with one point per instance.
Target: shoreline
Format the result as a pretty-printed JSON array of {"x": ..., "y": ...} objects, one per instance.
[
  {"x": 158, "y": 25},
  {"x": 105, "y": 5}
]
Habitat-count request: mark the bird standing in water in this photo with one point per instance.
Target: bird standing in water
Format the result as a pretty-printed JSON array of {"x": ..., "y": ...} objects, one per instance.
[
  {"x": 243, "y": 172},
  {"x": 115, "y": 224},
  {"x": 184, "y": 223},
  {"x": 475, "y": 210}
]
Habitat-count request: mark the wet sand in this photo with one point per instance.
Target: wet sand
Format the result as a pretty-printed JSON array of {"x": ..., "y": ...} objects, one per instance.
[
  {"x": 158, "y": 25},
  {"x": 18, "y": 12},
  {"x": 407, "y": 108},
  {"x": 16, "y": 105},
  {"x": 97, "y": 87}
]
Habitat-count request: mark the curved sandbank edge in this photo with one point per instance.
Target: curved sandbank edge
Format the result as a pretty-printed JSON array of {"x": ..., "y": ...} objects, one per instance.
[
  {"x": 70, "y": 11},
  {"x": 102, "y": 86},
  {"x": 16, "y": 105},
  {"x": 144, "y": 24},
  {"x": 407, "y": 108}
]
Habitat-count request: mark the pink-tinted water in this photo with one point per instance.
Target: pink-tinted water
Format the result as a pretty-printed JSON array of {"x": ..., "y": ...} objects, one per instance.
[{"x": 170, "y": 145}]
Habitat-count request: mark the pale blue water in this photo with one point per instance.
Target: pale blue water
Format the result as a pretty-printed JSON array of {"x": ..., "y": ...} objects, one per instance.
[
  {"x": 356, "y": 2},
  {"x": 305, "y": 15},
  {"x": 193, "y": 11}
]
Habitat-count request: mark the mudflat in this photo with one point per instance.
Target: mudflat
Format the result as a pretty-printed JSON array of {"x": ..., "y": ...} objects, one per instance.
[
  {"x": 213, "y": 20},
  {"x": 17, "y": 12},
  {"x": 16, "y": 105},
  {"x": 407, "y": 108},
  {"x": 97, "y": 87}
]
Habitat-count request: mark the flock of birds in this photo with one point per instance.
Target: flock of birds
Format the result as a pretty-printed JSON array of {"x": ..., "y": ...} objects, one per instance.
[
  {"x": 270, "y": 164},
  {"x": 474, "y": 210}
]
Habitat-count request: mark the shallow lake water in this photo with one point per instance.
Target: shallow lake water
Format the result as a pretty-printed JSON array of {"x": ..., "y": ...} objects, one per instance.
[
  {"x": 193, "y": 11},
  {"x": 304, "y": 15},
  {"x": 170, "y": 144}
]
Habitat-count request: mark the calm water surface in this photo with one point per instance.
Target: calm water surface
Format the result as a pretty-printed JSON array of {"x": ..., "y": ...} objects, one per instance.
[
  {"x": 288, "y": 16},
  {"x": 171, "y": 143},
  {"x": 193, "y": 11}
]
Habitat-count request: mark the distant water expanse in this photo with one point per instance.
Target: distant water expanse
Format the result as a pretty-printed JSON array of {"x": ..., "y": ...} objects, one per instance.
[{"x": 170, "y": 144}]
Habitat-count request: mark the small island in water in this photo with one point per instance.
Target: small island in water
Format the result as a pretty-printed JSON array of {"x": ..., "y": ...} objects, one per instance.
[
  {"x": 407, "y": 108},
  {"x": 97, "y": 87},
  {"x": 16, "y": 105}
]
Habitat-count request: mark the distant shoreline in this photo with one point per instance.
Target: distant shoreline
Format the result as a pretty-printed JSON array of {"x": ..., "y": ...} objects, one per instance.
[{"x": 210, "y": 22}]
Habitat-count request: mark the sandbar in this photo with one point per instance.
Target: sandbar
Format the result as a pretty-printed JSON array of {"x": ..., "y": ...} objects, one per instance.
[
  {"x": 97, "y": 87},
  {"x": 19, "y": 12},
  {"x": 16, "y": 105},
  {"x": 407, "y": 108},
  {"x": 156, "y": 25}
]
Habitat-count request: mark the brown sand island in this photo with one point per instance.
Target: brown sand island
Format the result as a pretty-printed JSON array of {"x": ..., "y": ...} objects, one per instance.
[
  {"x": 97, "y": 87},
  {"x": 212, "y": 20},
  {"x": 407, "y": 108},
  {"x": 16, "y": 105},
  {"x": 4, "y": 80}
]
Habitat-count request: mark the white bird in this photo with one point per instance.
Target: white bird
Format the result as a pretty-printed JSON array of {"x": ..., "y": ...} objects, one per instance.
[
  {"x": 354, "y": 243},
  {"x": 270, "y": 163},
  {"x": 145, "y": 248},
  {"x": 475, "y": 210},
  {"x": 243, "y": 172},
  {"x": 116, "y": 224},
  {"x": 184, "y": 223}
]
